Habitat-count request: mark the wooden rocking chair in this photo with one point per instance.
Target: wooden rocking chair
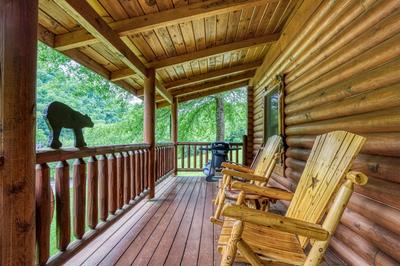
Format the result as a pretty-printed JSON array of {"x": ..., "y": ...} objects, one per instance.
[
  {"x": 325, "y": 187},
  {"x": 265, "y": 163}
]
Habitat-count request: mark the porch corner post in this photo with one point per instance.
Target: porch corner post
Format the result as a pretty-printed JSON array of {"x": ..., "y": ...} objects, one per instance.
[
  {"x": 250, "y": 125},
  {"x": 174, "y": 131},
  {"x": 18, "y": 52},
  {"x": 149, "y": 125}
]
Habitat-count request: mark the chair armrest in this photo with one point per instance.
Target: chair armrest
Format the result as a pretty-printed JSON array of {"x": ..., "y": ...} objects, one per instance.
[
  {"x": 247, "y": 176},
  {"x": 237, "y": 167},
  {"x": 269, "y": 192},
  {"x": 275, "y": 221}
]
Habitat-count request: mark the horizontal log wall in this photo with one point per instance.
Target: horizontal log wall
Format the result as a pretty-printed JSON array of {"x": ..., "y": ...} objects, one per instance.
[{"x": 341, "y": 61}]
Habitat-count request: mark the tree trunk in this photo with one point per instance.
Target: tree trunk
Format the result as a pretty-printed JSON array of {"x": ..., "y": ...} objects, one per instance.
[{"x": 220, "y": 118}]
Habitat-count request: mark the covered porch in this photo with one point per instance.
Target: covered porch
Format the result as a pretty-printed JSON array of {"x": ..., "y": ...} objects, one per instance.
[{"x": 309, "y": 67}]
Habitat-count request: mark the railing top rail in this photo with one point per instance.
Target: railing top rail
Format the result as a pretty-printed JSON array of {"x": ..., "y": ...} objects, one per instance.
[
  {"x": 50, "y": 155},
  {"x": 164, "y": 144},
  {"x": 204, "y": 143}
]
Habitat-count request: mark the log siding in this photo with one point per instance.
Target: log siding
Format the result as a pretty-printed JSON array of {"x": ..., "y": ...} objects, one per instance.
[{"x": 341, "y": 64}]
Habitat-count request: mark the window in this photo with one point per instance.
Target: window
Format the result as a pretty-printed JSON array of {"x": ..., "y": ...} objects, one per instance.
[
  {"x": 271, "y": 114},
  {"x": 273, "y": 110}
]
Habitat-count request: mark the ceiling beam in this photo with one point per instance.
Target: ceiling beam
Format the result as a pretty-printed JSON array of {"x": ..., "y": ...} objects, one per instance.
[
  {"x": 220, "y": 49},
  {"x": 163, "y": 92},
  {"x": 213, "y": 91},
  {"x": 47, "y": 37},
  {"x": 212, "y": 75},
  {"x": 205, "y": 93},
  {"x": 87, "y": 17},
  {"x": 230, "y": 47},
  {"x": 213, "y": 84},
  {"x": 165, "y": 18}
]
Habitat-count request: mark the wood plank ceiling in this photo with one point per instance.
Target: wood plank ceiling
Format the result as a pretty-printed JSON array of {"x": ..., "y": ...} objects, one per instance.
[{"x": 196, "y": 47}]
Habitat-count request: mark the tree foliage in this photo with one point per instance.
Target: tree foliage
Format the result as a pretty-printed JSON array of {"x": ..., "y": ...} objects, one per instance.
[{"x": 117, "y": 114}]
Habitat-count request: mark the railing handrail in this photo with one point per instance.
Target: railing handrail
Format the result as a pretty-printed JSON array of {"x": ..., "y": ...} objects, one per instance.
[
  {"x": 50, "y": 155},
  {"x": 164, "y": 144},
  {"x": 204, "y": 143}
]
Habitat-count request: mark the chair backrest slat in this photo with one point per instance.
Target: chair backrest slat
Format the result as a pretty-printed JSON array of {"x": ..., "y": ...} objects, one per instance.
[
  {"x": 267, "y": 157},
  {"x": 330, "y": 159}
]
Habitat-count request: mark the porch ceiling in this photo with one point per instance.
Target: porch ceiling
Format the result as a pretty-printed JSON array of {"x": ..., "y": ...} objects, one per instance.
[{"x": 188, "y": 43}]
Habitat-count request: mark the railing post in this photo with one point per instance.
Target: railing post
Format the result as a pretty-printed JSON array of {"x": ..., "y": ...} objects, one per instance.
[
  {"x": 18, "y": 50},
  {"x": 149, "y": 126},
  {"x": 174, "y": 133},
  {"x": 244, "y": 150}
]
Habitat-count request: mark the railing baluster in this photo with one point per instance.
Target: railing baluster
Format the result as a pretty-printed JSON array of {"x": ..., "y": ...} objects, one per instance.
[
  {"x": 112, "y": 184},
  {"x": 127, "y": 178},
  {"x": 92, "y": 192},
  {"x": 43, "y": 212},
  {"x": 79, "y": 197},
  {"x": 201, "y": 156},
  {"x": 103, "y": 187},
  {"x": 195, "y": 156},
  {"x": 145, "y": 169},
  {"x": 63, "y": 228},
  {"x": 207, "y": 152},
  {"x": 237, "y": 153},
  {"x": 183, "y": 156},
  {"x": 137, "y": 173},
  {"x": 120, "y": 180},
  {"x": 188, "y": 157},
  {"x": 141, "y": 170},
  {"x": 132, "y": 175}
]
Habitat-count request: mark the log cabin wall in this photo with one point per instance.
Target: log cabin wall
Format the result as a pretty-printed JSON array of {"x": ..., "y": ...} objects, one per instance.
[{"x": 341, "y": 61}]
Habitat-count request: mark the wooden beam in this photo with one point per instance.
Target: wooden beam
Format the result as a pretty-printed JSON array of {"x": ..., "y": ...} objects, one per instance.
[
  {"x": 165, "y": 18},
  {"x": 213, "y": 91},
  {"x": 18, "y": 52},
  {"x": 212, "y": 75},
  {"x": 47, "y": 37},
  {"x": 253, "y": 42},
  {"x": 213, "y": 84},
  {"x": 87, "y": 17},
  {"x": 174, "y": 132},
  {"x": 206, "y": 93},
  {"x": 164, "y": 92},
  {"x": 149, "y": 126},
  {"x": 212, "y": 51}
]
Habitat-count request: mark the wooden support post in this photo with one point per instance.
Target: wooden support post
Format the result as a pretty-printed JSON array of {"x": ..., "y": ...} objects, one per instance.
[
  {"x": 174, "y": 132},
  {"x": 149, "y": 125},
  {"x": 18, "y": 46},
  {"x": 250, "y": 127}
]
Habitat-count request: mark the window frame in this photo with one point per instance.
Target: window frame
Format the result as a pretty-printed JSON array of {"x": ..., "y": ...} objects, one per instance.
[{"x": 277, "y": 86}]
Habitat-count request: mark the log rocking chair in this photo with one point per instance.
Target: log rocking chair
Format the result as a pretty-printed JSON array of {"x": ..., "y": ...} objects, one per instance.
[
  {"x": 259, "y": 175},
  {"x": 326, "y": 185}
]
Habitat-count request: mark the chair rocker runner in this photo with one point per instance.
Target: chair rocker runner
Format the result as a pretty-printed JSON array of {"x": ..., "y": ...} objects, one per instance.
[
  {"x": 325, "y": 187},
  {"x": 263, "y": 167}
]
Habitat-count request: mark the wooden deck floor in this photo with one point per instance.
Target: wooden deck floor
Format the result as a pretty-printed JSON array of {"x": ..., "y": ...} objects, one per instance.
[{"x": 172, "y": 229}]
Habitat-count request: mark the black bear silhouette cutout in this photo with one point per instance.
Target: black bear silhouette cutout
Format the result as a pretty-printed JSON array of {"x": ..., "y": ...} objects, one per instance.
[{"x": 59, "y": 115}]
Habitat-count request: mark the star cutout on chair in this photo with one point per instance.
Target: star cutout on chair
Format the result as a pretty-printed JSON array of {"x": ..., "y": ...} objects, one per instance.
[{"x": 314, "y": 182}]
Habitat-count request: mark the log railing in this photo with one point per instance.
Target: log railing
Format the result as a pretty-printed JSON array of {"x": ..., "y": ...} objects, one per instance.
[
  {"x": 100, "y": 183},
  {"x": 164, "y": 159},
  {"x": 192, "y": 157}
]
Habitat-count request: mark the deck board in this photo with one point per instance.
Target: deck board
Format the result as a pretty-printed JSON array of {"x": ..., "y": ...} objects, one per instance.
[{"x": 171, "y": 229}]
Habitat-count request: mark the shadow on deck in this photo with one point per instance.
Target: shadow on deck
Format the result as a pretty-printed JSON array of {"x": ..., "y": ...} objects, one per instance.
[{"x": 172, "y": 229}]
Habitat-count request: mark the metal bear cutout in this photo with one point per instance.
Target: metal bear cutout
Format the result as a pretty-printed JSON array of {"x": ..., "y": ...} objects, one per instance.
[{"x": 58, "y": 115}]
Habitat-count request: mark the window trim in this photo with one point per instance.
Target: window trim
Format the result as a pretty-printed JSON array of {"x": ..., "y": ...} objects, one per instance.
[
  {"x": 279, "y": 85},
  {"x": 276, "y": 86}
]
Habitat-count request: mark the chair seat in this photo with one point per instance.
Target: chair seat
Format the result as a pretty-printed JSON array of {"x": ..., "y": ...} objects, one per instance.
[{"x": 269, "y": 244}]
